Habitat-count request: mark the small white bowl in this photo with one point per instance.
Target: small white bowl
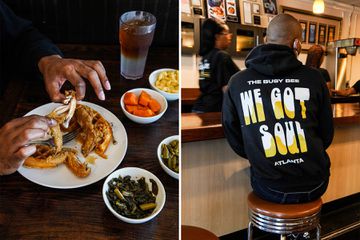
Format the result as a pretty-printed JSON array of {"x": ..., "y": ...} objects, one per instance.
[
  {"x": 145, "y": 120},
  {"x": 152, "y": 80},
  {"x": 162, "y": 164},
  {"x": 136, "y": 173}
]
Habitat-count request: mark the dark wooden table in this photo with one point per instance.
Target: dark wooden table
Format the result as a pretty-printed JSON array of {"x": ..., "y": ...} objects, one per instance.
[{"x": 31, "y": 211}]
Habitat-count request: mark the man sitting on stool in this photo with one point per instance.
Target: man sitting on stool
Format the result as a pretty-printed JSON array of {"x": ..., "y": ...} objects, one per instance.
[{"x": 277, "y": 114}]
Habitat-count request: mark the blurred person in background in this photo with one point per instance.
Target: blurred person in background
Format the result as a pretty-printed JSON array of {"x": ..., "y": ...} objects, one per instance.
[
  {"x": 216, "y": 66},
  {"x": 349, "y": 91},
  {"x": 315, "y": 58}
]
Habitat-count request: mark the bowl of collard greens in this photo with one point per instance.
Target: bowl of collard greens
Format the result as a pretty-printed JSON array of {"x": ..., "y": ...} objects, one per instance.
[{"x": 133, "y": 195}]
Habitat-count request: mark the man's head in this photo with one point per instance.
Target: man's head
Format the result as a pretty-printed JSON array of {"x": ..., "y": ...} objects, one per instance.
[
  {"x": 284, "y": 29},
  {"x": 315, "y": 56}
]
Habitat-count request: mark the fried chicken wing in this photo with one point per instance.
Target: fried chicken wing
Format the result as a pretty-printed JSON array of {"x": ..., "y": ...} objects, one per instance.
[
  {"x": 46, "y": 157},
  {"x": 96, "y": 132},
  {"x": 78, "y": 168},
  {"x": 95, "y": 135},
  {"x": 62, "y": 115},
  {"x": 105, "y": 135}
]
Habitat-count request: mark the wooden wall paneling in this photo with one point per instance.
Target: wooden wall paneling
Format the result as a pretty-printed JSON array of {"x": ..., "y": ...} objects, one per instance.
[
  {"x": 344, "y": 155},
  {"x": 215, "y": 182}
]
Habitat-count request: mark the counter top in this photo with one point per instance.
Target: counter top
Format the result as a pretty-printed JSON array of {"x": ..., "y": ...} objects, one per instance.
[
  {"x": 207, "y": 126},
  {"x": 346, "y": 113},
  {"x": 198, "y": 127}
]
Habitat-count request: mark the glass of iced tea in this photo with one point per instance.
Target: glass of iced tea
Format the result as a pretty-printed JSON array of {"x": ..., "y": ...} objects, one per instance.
[{"x": 136, "y": 34}]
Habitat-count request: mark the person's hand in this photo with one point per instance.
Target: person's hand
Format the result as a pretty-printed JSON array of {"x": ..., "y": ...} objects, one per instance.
[
  {"x": 57, "y": 70},
  {"x": 343, "y": 92},
  {"x": 15, "y": 137}
]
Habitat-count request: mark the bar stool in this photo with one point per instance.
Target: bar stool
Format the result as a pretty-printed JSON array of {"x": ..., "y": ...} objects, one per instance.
[
  {"x": 196, "y": 233},
  {"x": 283, "y": 218}
]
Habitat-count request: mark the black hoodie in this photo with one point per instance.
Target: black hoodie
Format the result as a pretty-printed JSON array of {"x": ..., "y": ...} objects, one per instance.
[
  {"x": 215, "y": 71},
  {"x": 357, "y": 86},
  {"x": 21, "y": 45},
  {"x": 277, "y": 113}
]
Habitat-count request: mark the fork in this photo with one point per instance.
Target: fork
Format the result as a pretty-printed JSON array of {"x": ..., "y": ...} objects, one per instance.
[{"x": 50, "y": 142}]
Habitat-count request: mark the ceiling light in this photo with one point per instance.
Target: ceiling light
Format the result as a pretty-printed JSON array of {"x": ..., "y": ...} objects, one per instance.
[{"x": 318, "y": 6}]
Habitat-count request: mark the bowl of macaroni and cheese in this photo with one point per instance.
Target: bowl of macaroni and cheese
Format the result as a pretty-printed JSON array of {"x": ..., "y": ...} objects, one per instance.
[{"x": 166, "y": 82}]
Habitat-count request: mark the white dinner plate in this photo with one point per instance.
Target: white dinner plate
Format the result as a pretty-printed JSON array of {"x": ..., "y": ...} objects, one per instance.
[{"x": 61, "y": 176}]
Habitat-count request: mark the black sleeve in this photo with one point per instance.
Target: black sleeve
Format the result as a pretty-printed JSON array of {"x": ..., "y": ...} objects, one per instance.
[
  {"x": 326, "y": 125},
  {"x": 22, "y": 43},
  {"x": 225, "y": 68},
  {"x": 357, "y": 86},
  {"x": 231, "y": 125},
  {"x": 325, "y": 74}
]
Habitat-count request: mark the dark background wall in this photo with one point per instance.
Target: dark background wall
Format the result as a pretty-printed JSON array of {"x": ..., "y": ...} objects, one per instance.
[{"x": 96, "y": 21}]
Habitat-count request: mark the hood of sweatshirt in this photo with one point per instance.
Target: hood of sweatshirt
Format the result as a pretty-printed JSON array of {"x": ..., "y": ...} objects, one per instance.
[{"x": 272, "y": 59}]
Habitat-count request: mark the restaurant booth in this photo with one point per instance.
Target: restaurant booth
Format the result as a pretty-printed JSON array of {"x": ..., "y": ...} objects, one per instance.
[{"x": 215, "y": 180}]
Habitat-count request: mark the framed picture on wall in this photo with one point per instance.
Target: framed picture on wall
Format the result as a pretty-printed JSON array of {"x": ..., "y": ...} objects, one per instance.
[
  {"x": 216, "y": 9},
  {"x": 312, "y": 32},
  {"x": 256, "y": 8},
  {"x": 247, "y": 13},
  {"x": 331, "y": 33},
  {"x": 197, "y": 7},
  {"x": 270, "y": 7},
  {"x": 304, "y": 30},
  {"x": 232, "y": 14},
  {"x": 322, "y": 34},
  {"x": 196, "y": 3},
  {"x": 316, "y": 29},
  {"x": 185, "y": 6}
]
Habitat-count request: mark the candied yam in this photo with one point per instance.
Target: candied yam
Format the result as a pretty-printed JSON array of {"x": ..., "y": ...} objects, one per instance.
[
  {"x": 144, "y": 98},
  {"x": 130, "y": 108},
  {"x": 130, "y": 99},
  {"x": 144, "y": 112},
  {"x": 147, "y": 113},
  {"x": 150, "y": 113},
  {"x": 154, "y": 106},
  {"x": 141, "y": 107},
  {"x": 139, "y": 112}
]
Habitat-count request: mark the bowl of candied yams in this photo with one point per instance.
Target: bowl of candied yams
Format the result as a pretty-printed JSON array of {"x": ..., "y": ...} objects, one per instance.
[{"x": 143, "y": 105}]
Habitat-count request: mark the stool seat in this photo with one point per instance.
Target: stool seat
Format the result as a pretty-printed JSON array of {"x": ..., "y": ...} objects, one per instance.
[
  {"x": 196, "y": 233},
  {"x": 283, "y": 211}
]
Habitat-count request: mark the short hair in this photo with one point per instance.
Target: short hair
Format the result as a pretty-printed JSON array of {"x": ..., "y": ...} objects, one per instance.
[
  {"x": 283, "y": 29},
  {"x": 209, "y": 28},
  {"x": 314, "y": 57}
]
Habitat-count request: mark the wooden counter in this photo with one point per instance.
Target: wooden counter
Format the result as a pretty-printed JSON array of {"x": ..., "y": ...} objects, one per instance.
[
  {"x": 189, "y": 95},
  {"x": 346, "y": 113},
  {"x": 206, "y": 126},
  {"x": 198, "y": 127}
]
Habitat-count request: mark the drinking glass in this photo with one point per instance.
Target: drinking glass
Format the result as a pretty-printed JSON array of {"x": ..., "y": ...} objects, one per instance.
[{"x": 135, "y": 35}]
